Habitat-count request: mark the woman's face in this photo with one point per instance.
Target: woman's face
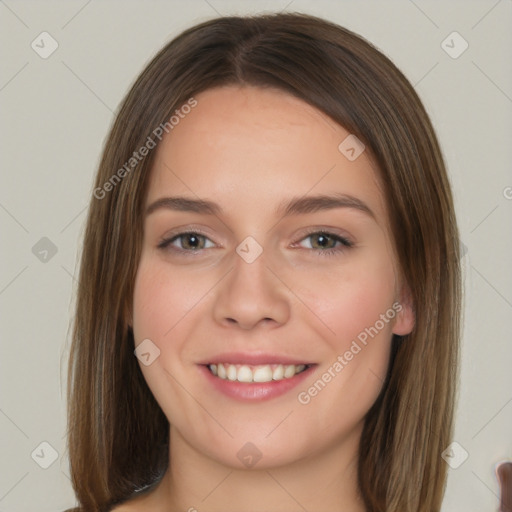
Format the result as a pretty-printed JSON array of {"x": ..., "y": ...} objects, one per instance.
[{"x": 267, "y": 256}]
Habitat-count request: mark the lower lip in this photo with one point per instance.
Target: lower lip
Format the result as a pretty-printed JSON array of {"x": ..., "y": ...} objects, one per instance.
[{"x": 254, "y": 391}]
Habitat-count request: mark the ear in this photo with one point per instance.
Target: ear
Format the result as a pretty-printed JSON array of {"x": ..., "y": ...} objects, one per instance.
[{"x": 405, "y": 318}]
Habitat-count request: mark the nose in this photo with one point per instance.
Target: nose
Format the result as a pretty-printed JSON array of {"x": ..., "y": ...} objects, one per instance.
[{"x": 251, "y": 294}]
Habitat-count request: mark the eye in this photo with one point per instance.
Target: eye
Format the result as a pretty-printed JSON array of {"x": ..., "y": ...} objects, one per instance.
[
  {"x": 326, "y": 243},
  {"x": 322, "y": 242},
  {"x": 187, "y": 242}
]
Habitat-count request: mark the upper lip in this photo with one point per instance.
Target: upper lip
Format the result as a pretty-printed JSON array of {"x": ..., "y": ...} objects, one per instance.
[{"x": 252, "y": 358}]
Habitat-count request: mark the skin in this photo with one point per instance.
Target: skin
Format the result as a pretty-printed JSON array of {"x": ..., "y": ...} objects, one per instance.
[{"x": 248, "y": 149}]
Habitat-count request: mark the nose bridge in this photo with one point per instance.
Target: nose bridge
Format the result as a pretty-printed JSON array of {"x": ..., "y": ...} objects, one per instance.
[{"x": 251, "y": 293}]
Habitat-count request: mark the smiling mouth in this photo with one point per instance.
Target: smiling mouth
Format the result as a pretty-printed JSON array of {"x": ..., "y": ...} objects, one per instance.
[{"x": 256, "y": 373}]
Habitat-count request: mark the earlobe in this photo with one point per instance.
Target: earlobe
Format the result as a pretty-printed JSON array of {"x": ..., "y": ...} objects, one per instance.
[{"x": 405, "y": 318}]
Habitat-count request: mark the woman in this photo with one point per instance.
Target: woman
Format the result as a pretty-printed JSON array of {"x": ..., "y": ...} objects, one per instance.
[{"x": 269, "y": 299}]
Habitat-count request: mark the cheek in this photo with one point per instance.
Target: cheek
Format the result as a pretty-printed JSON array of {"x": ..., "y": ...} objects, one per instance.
[
  {"x": 164, "y": 304},
  {"x": 352, "y": 300},
  {"x": 152, "y": 309},
  {"x": 358, "y": 309},
  {"x": 161, "y": 299},
  {"x": 160, "y": 303}
]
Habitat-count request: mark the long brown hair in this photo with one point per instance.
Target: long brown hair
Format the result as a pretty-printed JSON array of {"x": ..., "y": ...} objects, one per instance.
[{"x": 117, "y": 432}]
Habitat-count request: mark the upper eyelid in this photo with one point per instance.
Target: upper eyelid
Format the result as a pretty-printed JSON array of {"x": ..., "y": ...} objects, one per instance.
[
  {"x": 166, "y": 240},
  {"x": 192, "y": 230},
  {"x": 327, "y": 231}
]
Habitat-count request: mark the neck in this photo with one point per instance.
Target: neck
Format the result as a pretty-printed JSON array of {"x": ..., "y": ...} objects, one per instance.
[{"x": 324, "y": 481}]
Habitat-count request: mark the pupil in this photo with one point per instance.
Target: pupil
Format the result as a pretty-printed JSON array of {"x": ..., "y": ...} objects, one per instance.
[
  {"x": 193, "y": 241},
  {"x": 322, "y": 240}
]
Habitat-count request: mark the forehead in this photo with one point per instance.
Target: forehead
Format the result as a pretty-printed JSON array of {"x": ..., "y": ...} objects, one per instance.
[{"x": 243, "y": 145}]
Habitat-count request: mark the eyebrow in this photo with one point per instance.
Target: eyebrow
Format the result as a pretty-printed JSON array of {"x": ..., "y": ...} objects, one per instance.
[{"x": 295, "y": 206}]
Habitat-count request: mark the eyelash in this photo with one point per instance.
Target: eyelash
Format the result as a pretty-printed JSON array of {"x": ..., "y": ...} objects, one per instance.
[
  {"x": 333, "y": 251},
  {"x": 344, "y": 243}
]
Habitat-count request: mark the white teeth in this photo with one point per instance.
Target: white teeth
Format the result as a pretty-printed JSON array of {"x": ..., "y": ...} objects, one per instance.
[
  {"x": 289, "y": 371},
  {"x": 244, "y": 374},
  {"x": 278, "y": 372},
  {"x": 231, "y": 372},
  {"x": 221, "y": 371},
  {"x": 260, "y": 373}
]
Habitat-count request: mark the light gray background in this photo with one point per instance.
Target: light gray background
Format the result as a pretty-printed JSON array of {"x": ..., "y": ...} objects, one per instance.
[{"x": 56, "y": 113}]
